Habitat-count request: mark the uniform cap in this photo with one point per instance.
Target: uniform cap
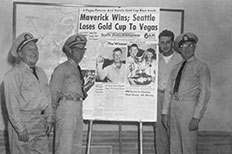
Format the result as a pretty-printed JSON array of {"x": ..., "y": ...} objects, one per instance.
[
  {"x": 21, "y": 41},
  {"x": 75, "y": 39},
  {"x": 185, "y": 37}
]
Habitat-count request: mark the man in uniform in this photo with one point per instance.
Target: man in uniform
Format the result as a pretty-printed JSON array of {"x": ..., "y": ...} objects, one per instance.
[
  {"x": 167, "y": 59},
  {"x": 186, "y": 96},
  {"x": 28, "y": 99},
  {"x": 67, "y": 88}
]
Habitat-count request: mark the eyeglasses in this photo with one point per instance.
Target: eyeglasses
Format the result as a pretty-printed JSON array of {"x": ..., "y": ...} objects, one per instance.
[
  {"x": 79, "y": 49},
  {"x": 187, "y": 46}
]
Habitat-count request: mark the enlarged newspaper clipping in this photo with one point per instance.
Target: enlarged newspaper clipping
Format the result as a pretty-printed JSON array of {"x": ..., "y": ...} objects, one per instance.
[{"x": 121, "y": 60}]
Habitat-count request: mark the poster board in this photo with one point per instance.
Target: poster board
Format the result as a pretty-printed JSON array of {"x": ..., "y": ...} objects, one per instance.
[{"x": 53, "y": 23}]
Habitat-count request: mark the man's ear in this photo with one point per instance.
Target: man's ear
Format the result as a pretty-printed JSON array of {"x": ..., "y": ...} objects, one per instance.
[
  {"x": 67, "y": 49},
  {"x": 173, "y": 43},
  {"x": 20, "y": 54}
]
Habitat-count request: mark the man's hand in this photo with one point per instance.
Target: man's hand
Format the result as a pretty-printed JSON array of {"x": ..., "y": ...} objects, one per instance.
[
  {"x": 100, "y": 59},
  {"x": 193, "y": 125},
  {"x": 23, "y": 136},
  {"x": 89, "y": 83},
  {"x": 48, "y": 127},
  {"x": 165, "y": 121},
  {"x": 88, "y": 86}
]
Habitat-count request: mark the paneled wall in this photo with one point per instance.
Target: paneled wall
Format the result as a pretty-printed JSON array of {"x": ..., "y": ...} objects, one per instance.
[{"x": 107, "y": 142}]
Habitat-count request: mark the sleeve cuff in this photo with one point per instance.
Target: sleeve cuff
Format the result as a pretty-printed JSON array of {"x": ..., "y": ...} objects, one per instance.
[
  {"x": 20, "y": 128},
  {"x": 50, "y": 119},
  {"x": 197, "y": 116},
  {"x": 165, "y": 112}
]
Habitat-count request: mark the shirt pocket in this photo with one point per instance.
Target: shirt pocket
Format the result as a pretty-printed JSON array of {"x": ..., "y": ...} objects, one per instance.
[
  {"x": 29, "y": 89},
  {"x": 192, "y": 77},
  {"x": 71, "y": 78}
]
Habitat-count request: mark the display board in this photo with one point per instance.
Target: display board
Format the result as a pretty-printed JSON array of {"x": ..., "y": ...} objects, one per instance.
[
  {"x": 125, "y": 42},
  {"x": 135, "y": 98}
]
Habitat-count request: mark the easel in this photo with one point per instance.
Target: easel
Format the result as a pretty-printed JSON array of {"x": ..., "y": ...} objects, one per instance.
[{"x": 120, "y": 137}]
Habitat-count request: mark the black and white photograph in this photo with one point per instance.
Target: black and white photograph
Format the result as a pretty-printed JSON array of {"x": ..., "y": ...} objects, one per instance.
[
  {"x": 111, "y": 65},
  {"x": 141, "y": 65},
  {"x": 115, "y": 77}
]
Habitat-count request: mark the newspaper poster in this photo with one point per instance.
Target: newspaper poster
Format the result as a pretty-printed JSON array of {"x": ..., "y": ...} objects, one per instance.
[{"x": 121, "y": 60}]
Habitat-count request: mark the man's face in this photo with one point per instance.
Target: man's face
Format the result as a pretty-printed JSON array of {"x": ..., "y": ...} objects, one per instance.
[
  {"x": 133, "y": 51},
  {"x": 149, "y": 56},
  {"x": 187, "y": 50},
  {"x": 29, "y": 54},
  {"x": 117, "y": 55},
  {"x": 165, "y": 44},
  {"x": 78, "y": 52}
]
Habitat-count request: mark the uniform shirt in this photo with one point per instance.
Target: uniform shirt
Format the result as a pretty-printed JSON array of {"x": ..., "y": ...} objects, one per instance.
[
  {"x": 66, "y": 81},
  {"x": 194, "y": 85},
  {"x": 24, "y": 93},
  {"x": 112, "y": 72},
  {"x": 165, "y": 69}
]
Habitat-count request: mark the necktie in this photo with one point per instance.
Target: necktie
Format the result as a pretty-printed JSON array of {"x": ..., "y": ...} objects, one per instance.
[
  {"x": 82, "y": 79},
  {"x": 178, "y": 77},
  {"x": 34, "y": 72}
]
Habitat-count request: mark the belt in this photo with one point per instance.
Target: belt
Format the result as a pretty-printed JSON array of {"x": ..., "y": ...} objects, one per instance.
[
  {"x": 70, "y": 98},
  {"x": 161, "y": 91},
  {"x": 176, "y": 98},
  {"x": 32, "y": 112}
]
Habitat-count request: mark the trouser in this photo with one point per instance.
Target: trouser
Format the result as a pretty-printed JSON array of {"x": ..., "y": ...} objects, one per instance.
[
  {"x": 162, "y": 134},
  {"x": 182, "y": 140},
  {"x": 38, "y": 140},
  {"x": 69, "y": 127}
]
